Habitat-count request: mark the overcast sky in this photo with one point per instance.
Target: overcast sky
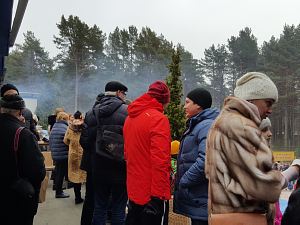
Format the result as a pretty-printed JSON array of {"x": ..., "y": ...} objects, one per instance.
[{"x": 196, "y": 24}]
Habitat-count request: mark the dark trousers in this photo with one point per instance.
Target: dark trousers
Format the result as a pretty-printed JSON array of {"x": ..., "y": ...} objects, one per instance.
[
  {"x": 18, "y": 220},
  {"x": 61, "y": 169},
  {"x": 88, "y": 204},
  {"x": 118, "y": 195},
  {"x": 77, "y": 190},
  {"x": 199, "y": 222},
  {"x": 17, "y": 214},
  {"x": 136, "y": 215}
]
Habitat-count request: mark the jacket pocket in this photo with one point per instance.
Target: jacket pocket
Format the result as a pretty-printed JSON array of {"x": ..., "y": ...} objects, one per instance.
[{"x": 113, "y": 144}]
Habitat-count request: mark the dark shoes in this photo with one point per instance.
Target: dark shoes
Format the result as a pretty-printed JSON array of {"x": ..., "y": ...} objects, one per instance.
[
  {"x": 78, "y": 200},
  {"x": 62, "y": 195}
]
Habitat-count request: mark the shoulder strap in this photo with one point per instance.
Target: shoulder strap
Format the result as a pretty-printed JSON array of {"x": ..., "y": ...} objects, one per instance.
[{"x": 16, "y": 141}]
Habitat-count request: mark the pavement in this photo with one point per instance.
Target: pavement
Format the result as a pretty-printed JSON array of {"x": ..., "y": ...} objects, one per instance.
[
  {"x": 59, "y": 211},
  {"x": 63, "y": 211}
]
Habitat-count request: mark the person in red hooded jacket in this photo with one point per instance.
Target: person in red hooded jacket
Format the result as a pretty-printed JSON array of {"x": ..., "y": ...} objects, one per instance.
[{"x": 147, "y": 146}]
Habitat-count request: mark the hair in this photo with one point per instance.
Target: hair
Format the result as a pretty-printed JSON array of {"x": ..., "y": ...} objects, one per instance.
[
  {"x": 58, "y": 110},
  {"x": 62, "y": 116},
  {"x": 77, "y": 115}
]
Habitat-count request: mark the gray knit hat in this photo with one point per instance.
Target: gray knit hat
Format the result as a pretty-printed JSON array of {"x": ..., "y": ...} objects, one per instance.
[
  {"x": 265, "y": 123},
  {"x": 255, "y": 85}
]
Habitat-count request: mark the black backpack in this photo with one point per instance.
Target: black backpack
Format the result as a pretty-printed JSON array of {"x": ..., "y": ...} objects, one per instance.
[{"x": 109, "y": 140}]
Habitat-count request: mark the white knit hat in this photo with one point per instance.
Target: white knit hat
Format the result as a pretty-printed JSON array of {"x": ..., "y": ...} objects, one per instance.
[
  {"x": 255, "y": 85},
  {"x": 265, "y": 123}
]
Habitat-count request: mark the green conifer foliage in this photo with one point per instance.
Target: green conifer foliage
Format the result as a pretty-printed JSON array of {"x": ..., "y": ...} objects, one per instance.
[{"x": 175, "y": 111}]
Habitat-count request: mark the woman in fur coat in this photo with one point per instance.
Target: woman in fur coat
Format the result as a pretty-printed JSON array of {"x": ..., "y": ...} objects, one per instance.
[{"x": 75, "y": 174}]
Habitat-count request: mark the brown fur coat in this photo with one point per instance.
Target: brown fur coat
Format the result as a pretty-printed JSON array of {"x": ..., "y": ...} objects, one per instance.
[
  {"x": 239, "y": 162},
  {"x": 72, "y": 136}
]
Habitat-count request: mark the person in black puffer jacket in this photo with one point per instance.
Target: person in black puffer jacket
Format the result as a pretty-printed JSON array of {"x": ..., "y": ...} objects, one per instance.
[{"x": 109, "y": 166}]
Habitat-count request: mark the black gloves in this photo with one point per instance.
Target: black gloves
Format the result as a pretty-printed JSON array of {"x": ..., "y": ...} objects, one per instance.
[{"x": 154, "y": 207}]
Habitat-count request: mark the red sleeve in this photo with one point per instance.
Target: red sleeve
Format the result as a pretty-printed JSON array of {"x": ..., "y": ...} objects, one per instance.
[{"x": 160, "y": 157}]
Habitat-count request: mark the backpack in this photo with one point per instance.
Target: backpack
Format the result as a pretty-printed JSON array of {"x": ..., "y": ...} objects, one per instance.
[{"x": 109, "y": 141}]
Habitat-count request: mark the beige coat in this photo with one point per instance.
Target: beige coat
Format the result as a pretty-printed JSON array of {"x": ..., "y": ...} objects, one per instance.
[
  {"x": 72, "y": 136},
  {"x": 239, "y": 162}
]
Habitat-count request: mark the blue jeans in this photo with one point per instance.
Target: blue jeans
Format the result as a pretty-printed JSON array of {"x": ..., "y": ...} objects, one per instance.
[{"x": 118, "y": 199}]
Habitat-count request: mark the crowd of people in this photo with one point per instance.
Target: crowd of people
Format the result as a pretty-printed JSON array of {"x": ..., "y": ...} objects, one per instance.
[{"x": 122, "y": 151}]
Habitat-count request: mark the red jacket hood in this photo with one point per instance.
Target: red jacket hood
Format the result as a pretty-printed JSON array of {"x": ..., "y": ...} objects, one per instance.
[{"x": 143, "y": 103}]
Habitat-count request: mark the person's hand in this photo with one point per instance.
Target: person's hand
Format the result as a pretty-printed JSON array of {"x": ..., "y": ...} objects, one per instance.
[
  {"x": 154, "y": 207},
  {"x": 292, "y": 173}
]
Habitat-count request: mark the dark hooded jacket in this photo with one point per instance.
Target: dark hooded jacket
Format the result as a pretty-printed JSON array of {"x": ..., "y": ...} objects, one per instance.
[
  {"x": 110, "y": 113},
  {"x": 30, "y": 164},
  {"x": 88, "y": 137}
]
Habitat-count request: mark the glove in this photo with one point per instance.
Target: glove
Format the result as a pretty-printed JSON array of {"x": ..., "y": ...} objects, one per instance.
[
  {"x": 154, "y": 207},
  {"x": 292, "y": 173}
]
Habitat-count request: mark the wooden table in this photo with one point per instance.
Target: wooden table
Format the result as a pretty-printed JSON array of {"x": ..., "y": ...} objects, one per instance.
[
  {"x": 44, "y": 146},
  {"x": 48, "y": 161}
]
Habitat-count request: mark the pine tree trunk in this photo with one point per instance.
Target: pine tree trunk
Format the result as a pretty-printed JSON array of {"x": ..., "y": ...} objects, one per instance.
[{"x": 76, "y": 87}]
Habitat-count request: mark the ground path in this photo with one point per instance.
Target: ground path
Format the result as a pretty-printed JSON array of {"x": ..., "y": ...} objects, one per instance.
[{"x": 65, "y": 212}]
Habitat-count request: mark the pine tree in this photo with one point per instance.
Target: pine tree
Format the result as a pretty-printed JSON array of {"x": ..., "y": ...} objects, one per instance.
[
  {"x": 215, "y": 66},
  {"x": 192, "y": 74},
  {"x": 28, "y": 61},
  {"x": 175, "y": 111},
  {"x": 243, "y": 53},
  {"x": 81, "y": 47},
  {"x": 281, "y": 58}
]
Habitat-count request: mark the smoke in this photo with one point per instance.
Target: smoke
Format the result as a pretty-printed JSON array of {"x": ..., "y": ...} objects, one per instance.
[{"x": 58, "y": 89}]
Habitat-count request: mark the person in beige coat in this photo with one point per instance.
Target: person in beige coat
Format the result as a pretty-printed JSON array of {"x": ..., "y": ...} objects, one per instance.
[
  {"x": 75, "y": 174},
  {"x": 239, "y": 161}
]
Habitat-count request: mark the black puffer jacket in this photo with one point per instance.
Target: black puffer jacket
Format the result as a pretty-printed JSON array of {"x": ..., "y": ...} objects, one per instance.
[
  {"x": 110, "y": 113},
  {"x": 30, "y": 165},
  {"x": 88, "y": 137},
  {"x": 88, "y": 141}
]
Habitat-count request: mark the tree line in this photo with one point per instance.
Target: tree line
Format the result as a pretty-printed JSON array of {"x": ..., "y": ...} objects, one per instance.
[{"x": 88, "y": 58}]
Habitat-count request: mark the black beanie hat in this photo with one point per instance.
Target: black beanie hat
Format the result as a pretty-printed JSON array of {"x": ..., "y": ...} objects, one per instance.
[
  {"x": 115, "y": 86},
  {"x": 7, "y": 87},
  {"x": 200, "y": 97},
  {"x": 12, "y": 102}
]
